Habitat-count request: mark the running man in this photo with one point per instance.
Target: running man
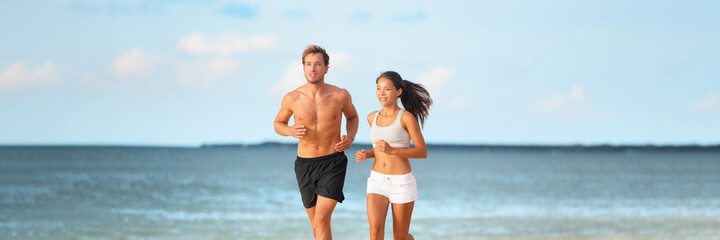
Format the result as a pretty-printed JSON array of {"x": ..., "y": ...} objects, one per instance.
[{"x": 317, "y": 110}]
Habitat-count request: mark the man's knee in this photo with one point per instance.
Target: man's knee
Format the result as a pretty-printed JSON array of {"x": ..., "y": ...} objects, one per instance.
[{"x": 322, "y": 220}]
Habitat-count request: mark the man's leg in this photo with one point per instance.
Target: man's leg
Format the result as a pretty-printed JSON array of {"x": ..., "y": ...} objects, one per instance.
[
  {"x": 311, "y": 215},
  {"x": 321, "y": 219}
]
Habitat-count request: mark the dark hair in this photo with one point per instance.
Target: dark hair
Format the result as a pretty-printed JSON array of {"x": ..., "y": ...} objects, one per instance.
[
  {"x": 310, "y": 49},
  {"x": 414, "y": 97}
]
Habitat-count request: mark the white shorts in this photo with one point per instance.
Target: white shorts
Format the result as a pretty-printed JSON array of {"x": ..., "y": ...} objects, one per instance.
[{"x": 397, "y": 188}]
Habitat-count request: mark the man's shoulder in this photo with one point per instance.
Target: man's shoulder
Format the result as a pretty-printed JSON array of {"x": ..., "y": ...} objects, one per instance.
[
  {"x": 337, "y": 91},
  {"x": 293, "y": 95},
  {"x": 331, "y": 87},
  {"x": 301, "y": 90}
]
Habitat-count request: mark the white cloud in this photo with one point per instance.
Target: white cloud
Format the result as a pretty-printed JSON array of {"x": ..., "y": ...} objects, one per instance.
[
  {"x": 226, "y": 44},
  {"x": 577, "y": 93},
  {"x": 339, "y": 59},
  {"x": 709, "y": 103},
  {"x": 572, "y": 105},
  {"x": 206, "y": 72},
  {"x": 436, "y": 79},
  {"x": 214, "y": 60},
  {"x": 19, "y": 75},
  {"x": 291, "y": 79},
  {"x": 131, "y": 64},
  {"x": 553, "y": 103}
]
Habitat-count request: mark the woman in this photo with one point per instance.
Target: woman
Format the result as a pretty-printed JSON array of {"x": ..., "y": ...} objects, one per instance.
[{"x": 391, "y": 129}]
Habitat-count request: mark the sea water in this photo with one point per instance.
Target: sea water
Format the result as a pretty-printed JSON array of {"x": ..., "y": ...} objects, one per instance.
[{"x": 250, "y": 192}]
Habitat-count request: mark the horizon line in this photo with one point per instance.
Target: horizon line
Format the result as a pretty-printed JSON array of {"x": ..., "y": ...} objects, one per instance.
[{"x": 471, "y": 145}]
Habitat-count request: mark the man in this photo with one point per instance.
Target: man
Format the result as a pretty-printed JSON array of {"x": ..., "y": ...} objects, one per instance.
[{"x": 320, "y": 166}]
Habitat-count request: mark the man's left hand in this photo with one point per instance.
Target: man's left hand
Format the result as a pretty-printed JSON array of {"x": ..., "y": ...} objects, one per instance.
[{"x": 344, "y": 144}]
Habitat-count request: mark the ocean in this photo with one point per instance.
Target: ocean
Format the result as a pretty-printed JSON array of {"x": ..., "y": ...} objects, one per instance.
[{"x": 466, "y": 192}]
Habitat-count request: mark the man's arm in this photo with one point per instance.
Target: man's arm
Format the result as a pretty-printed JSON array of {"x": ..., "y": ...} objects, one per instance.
[
  {"x": 351, "y": 117},
  {"x": 283, "y": 117}
]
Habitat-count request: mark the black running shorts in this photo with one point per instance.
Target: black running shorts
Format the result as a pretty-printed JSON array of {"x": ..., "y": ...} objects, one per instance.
[{"x": 324, "y": 176}]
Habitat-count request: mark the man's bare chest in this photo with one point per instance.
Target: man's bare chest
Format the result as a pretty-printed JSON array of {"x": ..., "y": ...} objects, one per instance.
[{"x": 317, "y": 110}]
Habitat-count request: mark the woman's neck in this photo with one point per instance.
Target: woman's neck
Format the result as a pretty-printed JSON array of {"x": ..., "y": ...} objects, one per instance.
[{"x": 389, "y": 111}]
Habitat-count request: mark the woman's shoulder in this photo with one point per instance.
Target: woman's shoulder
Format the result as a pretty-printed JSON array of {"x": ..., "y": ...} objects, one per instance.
[
  {"x": 407, "y": 114},
  {"x": 408, "y": 117},
  {"x": 371, "y": 116}
]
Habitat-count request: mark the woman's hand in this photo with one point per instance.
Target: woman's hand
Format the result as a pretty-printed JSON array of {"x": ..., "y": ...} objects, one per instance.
[
  {"x": 360, "y": 155},
  {"x": 383, "y": 146}
]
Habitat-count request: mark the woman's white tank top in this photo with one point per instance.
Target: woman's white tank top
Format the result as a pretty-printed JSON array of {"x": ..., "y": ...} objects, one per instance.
[{"x": 395, "y": 134}]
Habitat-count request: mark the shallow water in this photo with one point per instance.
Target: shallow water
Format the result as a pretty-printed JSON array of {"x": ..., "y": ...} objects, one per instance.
[{"x": 251, "y": 193}]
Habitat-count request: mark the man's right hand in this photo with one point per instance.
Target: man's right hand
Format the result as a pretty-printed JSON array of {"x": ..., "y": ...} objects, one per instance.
[{"x": 297, "y": 131}]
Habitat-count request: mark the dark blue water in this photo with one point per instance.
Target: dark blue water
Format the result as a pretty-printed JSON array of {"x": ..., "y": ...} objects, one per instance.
[{"x": 250, "y": 193}]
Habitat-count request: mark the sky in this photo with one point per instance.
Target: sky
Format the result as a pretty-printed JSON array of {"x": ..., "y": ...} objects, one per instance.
[{"x": 186, "y": 73}]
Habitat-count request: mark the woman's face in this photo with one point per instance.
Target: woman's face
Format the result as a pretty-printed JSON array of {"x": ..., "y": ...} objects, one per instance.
[{"x": 386, "y": 92}]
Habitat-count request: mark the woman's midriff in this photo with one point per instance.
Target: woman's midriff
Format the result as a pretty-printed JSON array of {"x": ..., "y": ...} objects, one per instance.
[{"x": 391, "y": 164}]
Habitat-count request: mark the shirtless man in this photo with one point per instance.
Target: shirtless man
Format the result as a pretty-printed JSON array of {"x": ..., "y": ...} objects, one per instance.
[{"x": 320, "y": 166}]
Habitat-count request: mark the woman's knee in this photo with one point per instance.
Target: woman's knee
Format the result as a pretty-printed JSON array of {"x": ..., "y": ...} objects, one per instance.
[{"x": 376, "y": 229}]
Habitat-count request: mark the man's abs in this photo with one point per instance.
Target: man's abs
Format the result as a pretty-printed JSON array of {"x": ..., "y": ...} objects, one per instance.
[
  {"x": 319, "y": 139},
  {"x": 310, "y": 147}
]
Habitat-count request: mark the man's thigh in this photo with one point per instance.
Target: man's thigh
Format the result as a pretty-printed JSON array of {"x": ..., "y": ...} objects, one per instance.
[{"x": 324, "y": 207}]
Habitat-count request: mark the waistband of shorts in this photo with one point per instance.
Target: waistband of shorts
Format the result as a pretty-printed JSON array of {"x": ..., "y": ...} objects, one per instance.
[
  {"x": 377, "y": 174},
  {"x": 322, "y": 158}
]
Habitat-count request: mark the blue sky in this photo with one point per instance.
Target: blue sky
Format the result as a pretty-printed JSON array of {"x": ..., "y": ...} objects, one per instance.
[{"x": 500, "y": 72}]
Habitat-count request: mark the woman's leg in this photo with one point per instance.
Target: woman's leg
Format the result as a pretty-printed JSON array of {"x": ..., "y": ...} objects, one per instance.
[
  {"x": 402, "y": 212},
  {"x": 377, "y": 207}
]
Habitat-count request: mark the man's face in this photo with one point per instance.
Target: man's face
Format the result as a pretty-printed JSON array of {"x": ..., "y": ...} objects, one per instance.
[{"x": 314, "y": 68}]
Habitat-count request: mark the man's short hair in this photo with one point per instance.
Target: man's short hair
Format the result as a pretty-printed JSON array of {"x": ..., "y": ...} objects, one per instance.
[{"x": 310, "y": 49}]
